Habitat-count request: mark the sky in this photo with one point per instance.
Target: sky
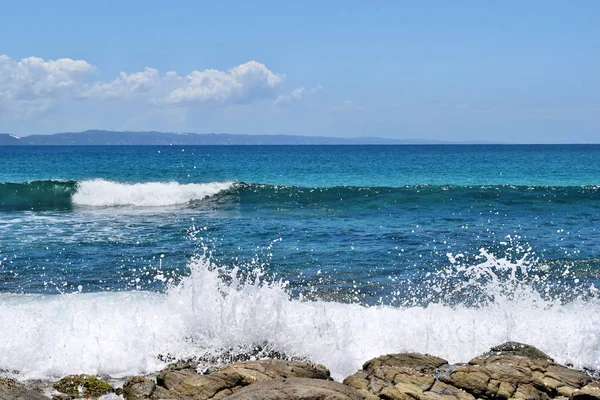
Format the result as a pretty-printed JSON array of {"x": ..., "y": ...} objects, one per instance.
[{"x": 499, "y": 71}]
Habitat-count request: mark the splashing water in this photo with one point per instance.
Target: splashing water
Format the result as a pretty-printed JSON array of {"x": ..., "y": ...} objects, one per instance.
[{"x": 217, "y": 308}]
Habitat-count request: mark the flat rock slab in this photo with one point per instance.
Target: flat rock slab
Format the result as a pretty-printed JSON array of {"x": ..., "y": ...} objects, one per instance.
[
  {"x": 183, "y": 382},
  {"x": 296, "y": 389},
  {"x": 12, "y": 390}
]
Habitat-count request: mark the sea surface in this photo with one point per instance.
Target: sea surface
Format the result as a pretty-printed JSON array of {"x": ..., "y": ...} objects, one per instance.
[{"x": 117, "y": 260}]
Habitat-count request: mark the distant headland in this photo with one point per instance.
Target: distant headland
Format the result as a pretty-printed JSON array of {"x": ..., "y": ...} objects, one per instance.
[{"x": 115, "y": 138}]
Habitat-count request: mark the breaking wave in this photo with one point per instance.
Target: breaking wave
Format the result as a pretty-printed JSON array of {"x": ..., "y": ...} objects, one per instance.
[
  {"x": 101, "y": 193},
  {"x": 216, "y": 308},
  {"x": 55, "y": 194}
]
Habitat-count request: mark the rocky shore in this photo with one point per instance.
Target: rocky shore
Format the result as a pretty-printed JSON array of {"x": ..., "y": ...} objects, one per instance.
[{"x": 508, "y": 371}]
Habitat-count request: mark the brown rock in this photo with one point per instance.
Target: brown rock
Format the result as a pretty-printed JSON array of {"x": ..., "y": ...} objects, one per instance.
[
  {"x": 181, "y": 381},
  {"x": 516, "y": 371},
  {"x": 588, "y": 392},
  {"x": 442, "y": 391},
  {"x": 406, "y": 376},
  {"x": 423, "y": 363},
  {"x": 13, "y": 390},
  {"x": 508, "y": 371},
  {"x": 138, "y": 388},
  {"x": 254, "y": 371},
  {"x": 296, "y": 389},
  {"x": 188, "y": 384}
]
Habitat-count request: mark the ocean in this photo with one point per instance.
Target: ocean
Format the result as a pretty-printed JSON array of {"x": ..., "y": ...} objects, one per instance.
[{"x": 117, "y": 260}]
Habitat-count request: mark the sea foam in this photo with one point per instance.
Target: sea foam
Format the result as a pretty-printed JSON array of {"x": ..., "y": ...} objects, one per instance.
[
  {"x": 99, "y": 192},
  {"x": 212, "y": 309}
]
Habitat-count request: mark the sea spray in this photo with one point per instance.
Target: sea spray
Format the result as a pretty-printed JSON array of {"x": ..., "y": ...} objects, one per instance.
[{"x": 217, "y": 307}]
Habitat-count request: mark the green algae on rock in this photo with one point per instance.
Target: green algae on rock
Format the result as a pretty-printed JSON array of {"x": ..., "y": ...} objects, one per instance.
[{"x": 86, "y": 386}]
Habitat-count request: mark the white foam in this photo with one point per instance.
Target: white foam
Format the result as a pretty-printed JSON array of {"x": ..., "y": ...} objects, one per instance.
[
  {"x": 99, "y": 192},
  {"x": 121, "y": 334}
]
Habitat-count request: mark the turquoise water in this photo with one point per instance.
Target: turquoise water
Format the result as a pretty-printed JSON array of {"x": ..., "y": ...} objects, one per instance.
[
  {"x": 331, "y": 235},
  {"x": 311, "y": 166}
]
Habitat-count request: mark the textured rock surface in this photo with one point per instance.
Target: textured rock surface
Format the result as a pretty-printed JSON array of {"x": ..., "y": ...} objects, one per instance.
[
  {"x": 138, "y": 388},
  {"x": 12, "y": 390},
  {"x": 508, "y": 371},
  {"x": 588, "y": 392},
  {"x": 296, "y": 389},
  {"x": 403, "y": 376},
  {"x": 511, "y": 371},
  {"x": 521, "y": 373},
  {"x": 183, "y": 382}
]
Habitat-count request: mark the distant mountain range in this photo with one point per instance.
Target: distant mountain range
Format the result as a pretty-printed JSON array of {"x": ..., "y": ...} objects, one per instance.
[{"x": 112, "y": 138}]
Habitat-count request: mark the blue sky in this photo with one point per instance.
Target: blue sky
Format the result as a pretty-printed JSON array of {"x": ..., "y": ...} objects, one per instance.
[{"x": 507, "y": 71}]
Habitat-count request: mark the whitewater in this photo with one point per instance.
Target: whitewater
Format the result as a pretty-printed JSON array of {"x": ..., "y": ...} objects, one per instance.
[
  {"x": 131, "y": 333},
  {"x": 104, "y": 193}
]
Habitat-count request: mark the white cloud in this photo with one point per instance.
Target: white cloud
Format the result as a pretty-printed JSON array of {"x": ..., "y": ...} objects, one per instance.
[
  {"x": 297, "y": 94},
  {"x": 33, "y": 85},
  {"x": 125, "y": 86},
  {"x": 242, "y": 84}
]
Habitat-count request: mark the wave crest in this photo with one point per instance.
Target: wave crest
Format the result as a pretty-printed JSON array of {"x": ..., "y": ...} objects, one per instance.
[
  {"x": 102, "y": 193},
  {"x": 56, "y": 194}
]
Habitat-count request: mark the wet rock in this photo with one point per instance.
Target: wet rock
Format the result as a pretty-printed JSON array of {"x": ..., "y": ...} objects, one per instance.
[
  {"x": 423, "y": 363},
  {"x": 86, "y": 386},
  {"x": 516, "y": 371},
  {"x": 13, "y": 390},
  {"x": 517, "y": 349},
  {"x": 296, "y": 389},
  {"x": 258, "y": 351},
  {"x": 508, "y": 371},
  {"x": 404, "y": 376},
  {"x": 254, "y": 371},
  {"x": 138, "y": 388},
  {"x": 181, "y": 381},
  {"x": 588, "y": 392}
]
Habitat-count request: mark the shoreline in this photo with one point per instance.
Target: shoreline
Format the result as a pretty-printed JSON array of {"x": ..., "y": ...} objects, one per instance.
[{"x": 508, "y": 371}]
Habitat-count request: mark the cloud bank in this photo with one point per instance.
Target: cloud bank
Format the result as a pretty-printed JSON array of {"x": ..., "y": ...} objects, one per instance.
[{"x": 33, "y": 85}]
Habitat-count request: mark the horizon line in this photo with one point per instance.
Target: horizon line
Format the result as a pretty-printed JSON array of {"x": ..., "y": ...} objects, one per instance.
[{"x": 411, "y": 141}]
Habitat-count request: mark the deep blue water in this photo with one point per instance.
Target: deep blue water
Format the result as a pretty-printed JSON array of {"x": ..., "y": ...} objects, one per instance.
[{"x": 355, "y": 223}]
